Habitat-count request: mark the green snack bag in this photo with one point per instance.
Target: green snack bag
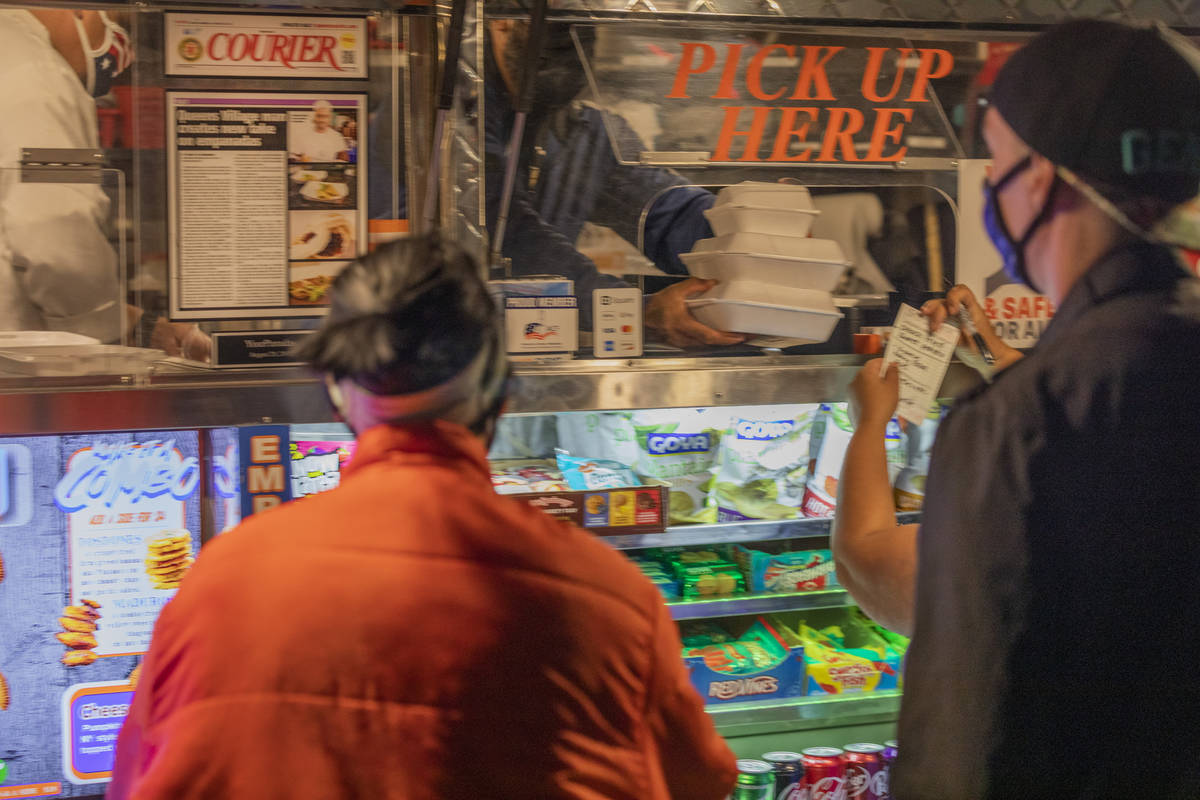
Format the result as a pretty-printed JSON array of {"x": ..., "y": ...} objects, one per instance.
[
  {"x": 680, "y": 447},
  {"x": 764, "y": 463}
]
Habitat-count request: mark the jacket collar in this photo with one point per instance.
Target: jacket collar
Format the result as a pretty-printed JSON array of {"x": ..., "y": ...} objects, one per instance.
[
  {"x": 1135, "y": 267},
  {"x": 437, "y": 439}
]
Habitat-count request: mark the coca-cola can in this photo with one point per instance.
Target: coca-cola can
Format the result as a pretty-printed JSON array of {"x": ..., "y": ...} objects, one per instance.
[
  {"x": 866, "y": 773},
  {"x": 890, "y": 750},
  {"x": 824, "y": 773},
  {"x": 789, "y": 774}
]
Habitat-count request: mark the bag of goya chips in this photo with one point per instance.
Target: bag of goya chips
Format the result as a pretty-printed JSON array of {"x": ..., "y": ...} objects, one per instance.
[
  {"x": 680, "y": 447},
  {"x": 764, "y": 463}
]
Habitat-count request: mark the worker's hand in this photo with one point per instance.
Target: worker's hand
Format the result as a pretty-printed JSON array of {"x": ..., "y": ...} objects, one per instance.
[
  {"x": 873, "y": 399},
  {"x": 940, "y": 309},
  {"x": 668, "y": 314},
  {"x": 181, "y": 339},
  {"x": 959, "y": 297}
]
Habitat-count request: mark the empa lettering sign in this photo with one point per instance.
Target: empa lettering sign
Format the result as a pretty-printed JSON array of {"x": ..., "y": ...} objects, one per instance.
[{"x": 265, "y": 468}]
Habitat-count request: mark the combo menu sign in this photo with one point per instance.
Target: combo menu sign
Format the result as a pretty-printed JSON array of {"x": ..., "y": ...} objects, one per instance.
[
  {"x": 265, "y": 46},
  {"x": 96, "y": 534}
]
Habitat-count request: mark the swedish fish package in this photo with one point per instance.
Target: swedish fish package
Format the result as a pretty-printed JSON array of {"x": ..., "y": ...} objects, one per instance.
[{"x": 842, "y": 652}]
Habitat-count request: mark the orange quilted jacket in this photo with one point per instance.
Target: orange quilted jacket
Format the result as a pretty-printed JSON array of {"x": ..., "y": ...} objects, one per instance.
[{"x": 413, "y": 635}]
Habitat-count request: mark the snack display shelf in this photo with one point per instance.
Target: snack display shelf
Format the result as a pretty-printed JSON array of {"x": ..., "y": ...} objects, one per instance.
[
  {"x": 736, "y": 532},
  {"x": 176, "y": 397},
  {"x": 806, "y": 713},
  {"x": 759, "y": 604}
]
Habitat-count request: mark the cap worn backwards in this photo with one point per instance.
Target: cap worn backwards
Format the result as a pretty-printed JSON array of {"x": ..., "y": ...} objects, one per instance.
[{"x": 1115, "y": 104}]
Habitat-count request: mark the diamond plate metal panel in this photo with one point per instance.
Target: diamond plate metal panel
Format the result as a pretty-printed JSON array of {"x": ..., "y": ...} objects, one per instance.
[{"x": 1181, "y": 13}]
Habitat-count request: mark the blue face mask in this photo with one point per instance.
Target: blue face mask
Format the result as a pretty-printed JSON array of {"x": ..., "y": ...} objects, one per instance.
[{"x": 1011, "y": 249}]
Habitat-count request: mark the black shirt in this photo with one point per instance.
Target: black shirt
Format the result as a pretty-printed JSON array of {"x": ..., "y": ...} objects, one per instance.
[{"x": 1056, "y": 651}]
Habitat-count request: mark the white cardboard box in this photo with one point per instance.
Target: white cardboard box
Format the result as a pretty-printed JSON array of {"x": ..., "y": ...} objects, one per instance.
[{"x": 541, "y": 327}]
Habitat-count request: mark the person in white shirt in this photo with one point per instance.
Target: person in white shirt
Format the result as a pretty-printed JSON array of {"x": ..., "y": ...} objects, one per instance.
[
  {"x": 320, "y": 141},
  {"x": 58, "y": 270}
]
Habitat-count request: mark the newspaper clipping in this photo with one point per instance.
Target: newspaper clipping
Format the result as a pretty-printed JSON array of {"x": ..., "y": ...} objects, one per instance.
[{"x": 268, "y": 200}]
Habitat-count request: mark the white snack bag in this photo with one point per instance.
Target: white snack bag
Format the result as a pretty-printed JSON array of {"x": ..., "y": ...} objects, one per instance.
[
  {"x": 908, "y": 487},
  {"x": 680, "y": 447},
  {"x": 598, "y": 434},
  {"x": 831, "y": 434},
  {"x": 764, "y": 463}
]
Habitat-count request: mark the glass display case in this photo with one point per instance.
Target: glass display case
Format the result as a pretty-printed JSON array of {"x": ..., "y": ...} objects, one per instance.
[{"x": 79, "y": 525}]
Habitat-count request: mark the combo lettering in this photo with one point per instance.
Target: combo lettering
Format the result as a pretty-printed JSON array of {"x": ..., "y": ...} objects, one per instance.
[{"x": 103, "y": 473}]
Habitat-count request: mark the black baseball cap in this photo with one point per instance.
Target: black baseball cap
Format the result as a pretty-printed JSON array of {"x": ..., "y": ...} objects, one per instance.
[{"x": 1117, "y": 105}]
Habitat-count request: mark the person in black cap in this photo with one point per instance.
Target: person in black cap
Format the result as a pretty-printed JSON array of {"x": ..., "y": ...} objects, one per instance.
[{"x": 1051, "y": 586}]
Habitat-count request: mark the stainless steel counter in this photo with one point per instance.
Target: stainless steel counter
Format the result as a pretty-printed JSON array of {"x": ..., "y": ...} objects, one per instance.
[{"x": 174, "y": 397}]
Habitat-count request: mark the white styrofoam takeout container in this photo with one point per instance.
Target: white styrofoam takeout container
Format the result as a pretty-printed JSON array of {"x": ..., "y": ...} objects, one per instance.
[
  {"x": 791, "y": 261},
  {"x": 763, "y": 193},
  {"x": 782, "y": 271},
  {"x": 803, "y": 247},
  {"x": 729, "y": 219},
  {"x": 752, "y": 307}
]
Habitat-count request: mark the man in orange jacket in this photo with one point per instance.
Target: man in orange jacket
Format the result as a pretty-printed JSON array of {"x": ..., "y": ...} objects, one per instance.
[{"x": 411, "y": 634}]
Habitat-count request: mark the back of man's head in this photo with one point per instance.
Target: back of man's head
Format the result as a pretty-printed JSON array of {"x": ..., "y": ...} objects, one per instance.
[
  {"x": 1117, "y": 105},
  {"x": 411, "y": 335}
]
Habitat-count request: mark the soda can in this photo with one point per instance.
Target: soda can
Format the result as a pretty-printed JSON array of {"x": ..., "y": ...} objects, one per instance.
[
  {"x": 890, "y": 751},
  {"x": 866, "y": 775},
  {"x": 755, "y": 781},
  {"x": 824, "y": 773},
  {"x": 789, "y": 774}
]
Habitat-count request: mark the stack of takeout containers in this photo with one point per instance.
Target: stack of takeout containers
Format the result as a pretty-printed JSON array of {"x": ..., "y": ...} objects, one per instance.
[{"x": 774, "y": 279}]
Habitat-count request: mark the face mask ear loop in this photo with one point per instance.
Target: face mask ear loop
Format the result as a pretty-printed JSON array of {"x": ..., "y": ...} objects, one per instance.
[
  {"x": 90, "y": 83},
  {"x": 1107, "y": 206}
]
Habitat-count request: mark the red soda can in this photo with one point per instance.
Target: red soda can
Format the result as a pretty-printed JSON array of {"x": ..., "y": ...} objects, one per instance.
[
  {"x": 866, "y": 773},
  {"x": 824, "y": 773}
]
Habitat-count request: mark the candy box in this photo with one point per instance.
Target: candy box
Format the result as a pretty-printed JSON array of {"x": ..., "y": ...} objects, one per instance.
[
  {"x": 758, "y": 665},
  {"x": 702, "y": 632},
  {"x": 705, "y": 581},
  {"x": 625, "y": 510},
  {"x": 841, "y": 658},
  {"x": 786, "y": 571}
]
